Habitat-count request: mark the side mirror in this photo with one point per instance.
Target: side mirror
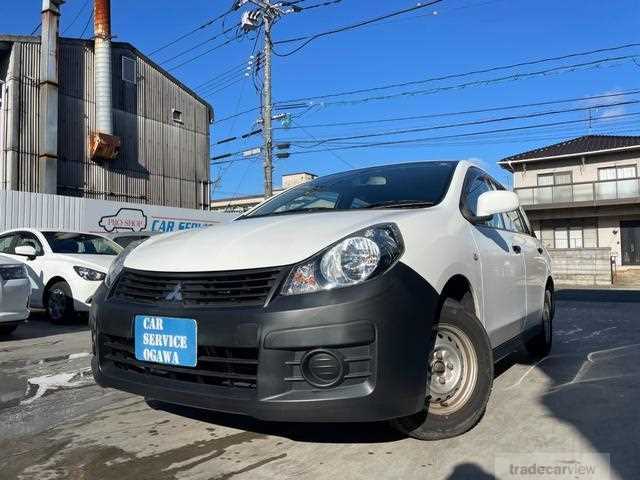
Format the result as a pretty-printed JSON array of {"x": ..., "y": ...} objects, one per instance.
[
  {"x": 496, "y": 201},
  {"x": 25, "y": 251}
]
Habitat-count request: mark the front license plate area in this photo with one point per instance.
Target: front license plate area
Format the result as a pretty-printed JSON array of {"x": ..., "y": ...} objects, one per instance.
[{"x": 166, "y": 340}]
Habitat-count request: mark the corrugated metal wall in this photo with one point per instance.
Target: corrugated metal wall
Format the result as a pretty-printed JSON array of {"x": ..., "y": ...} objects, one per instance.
[
  {"x": 22, "y": 209},
  {"x": 161, "y": 162}
]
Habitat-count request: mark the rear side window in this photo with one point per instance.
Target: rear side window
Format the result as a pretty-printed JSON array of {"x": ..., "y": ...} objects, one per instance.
[{"x": 514, "y": 222}]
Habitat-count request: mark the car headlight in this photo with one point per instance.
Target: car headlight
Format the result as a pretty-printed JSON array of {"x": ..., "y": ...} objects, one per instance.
[
  {"x": 353, "y": 260},
  {"x": 12, "y": 272},
  {"x": 118, "y": 264},
  {"x": 90, "y": 274}
]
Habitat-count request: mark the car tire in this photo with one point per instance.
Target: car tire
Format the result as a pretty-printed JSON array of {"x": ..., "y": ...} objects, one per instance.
[
  {"x": 459, "y": 380},
  {"x": 59, "y": 303},
  {"x": 540, "y": 345},
  {"x": 7, "y": 329}
]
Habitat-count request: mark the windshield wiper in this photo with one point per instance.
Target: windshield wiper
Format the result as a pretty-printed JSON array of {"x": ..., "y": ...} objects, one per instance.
[
  {"x": 295, "y": 210},
  {"x": 400, "y": 204}
]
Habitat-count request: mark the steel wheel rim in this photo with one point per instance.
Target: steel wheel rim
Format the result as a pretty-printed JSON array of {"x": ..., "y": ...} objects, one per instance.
[
  {"x": 57, "y": 303},
  {"x": 452, "y": 372}
]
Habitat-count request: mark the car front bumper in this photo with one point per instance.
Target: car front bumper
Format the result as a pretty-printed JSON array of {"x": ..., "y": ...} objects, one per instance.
[{"x": 380, "y": 330}]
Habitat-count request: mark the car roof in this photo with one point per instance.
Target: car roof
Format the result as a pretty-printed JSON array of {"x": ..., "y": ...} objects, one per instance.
[{"x": 48, "y": 230}]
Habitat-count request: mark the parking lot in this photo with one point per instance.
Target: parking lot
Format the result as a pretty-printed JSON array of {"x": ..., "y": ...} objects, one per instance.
[{"x": 56, "y": 423}]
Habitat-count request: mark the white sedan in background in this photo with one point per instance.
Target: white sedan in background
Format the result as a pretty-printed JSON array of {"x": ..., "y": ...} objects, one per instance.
[
  {"x": 15, "y": 289},
  {"x": 65, "y": 268}
]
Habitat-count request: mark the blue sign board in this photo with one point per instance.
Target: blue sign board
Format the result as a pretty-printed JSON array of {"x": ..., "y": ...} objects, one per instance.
[{"x": 167, "y": 340}]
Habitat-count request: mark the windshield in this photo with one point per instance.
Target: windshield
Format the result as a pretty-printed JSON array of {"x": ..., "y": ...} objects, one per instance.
[
  {"x": 412, "y": 185},
  {"x": 67, "y": 242}
]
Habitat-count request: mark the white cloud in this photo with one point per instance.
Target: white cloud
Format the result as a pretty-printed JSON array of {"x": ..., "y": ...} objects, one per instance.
[{"x": 605, "y": 108}]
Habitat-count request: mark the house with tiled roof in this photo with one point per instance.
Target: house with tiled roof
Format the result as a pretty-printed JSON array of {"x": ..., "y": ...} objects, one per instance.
[{"x": 583, "y": 193}]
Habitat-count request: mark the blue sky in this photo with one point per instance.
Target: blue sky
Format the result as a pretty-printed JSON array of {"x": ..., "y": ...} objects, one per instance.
[{"x": 453, "y": 37}]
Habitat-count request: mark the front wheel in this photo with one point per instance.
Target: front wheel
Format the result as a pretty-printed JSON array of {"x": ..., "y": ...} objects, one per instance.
[
  {"x": 459, "y": 378},
  {"x": 59, "y": 302}
]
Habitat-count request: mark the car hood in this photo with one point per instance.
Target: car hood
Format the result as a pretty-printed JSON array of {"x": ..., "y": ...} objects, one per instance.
[
  {"x": 8, "y": 261},
  {"x": 97, "y": 262},
  {"x": 253, "y": 242}
]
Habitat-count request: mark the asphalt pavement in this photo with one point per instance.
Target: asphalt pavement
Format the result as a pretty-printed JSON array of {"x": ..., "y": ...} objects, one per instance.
[{"x": 583, "y": 398}]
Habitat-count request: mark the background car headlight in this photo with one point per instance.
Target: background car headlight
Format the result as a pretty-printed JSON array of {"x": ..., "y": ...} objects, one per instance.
[
  {"x": 90, "y": 274},
  {"x": 12, "y": 272},
  {"x": 118, "y": 264},
  {"x": 355, "y": 259}
]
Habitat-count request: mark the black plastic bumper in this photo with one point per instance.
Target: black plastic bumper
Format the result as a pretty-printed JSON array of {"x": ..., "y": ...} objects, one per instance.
[{"x": 380, "y": 328}]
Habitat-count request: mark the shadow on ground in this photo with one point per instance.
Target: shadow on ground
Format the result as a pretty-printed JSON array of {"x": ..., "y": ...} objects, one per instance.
[
  {"x": 594, "y": 367},
  {"x": 39, "y": 326}
]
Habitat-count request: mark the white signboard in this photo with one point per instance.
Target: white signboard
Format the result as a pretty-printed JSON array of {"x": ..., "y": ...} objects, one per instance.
[{"x": 37, "y": 210}]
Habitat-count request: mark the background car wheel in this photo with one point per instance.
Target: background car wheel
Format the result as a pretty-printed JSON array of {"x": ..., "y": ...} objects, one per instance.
[
  {"x": 7, "y": 329},
  {"x": 459, "y": 380},
  {"x": 540, "y": 345},
  {"x": 59, "y": 302}
]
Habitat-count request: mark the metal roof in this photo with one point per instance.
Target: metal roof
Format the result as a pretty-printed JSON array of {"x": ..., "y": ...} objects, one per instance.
[{"x": 88, "y": 42}]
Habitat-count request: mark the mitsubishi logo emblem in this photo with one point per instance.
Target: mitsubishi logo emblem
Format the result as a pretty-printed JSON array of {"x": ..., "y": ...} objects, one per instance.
[{"x": 176, "y": 294}]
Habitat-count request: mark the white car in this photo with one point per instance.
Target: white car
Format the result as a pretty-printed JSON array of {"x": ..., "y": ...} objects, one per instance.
[
  {"x": 385, "y": 293},
  {"x": 65, "y": 268},
  {"x": 15, "y": 289}
]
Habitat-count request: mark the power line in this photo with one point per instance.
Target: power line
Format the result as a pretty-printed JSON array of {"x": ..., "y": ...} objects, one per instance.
[
  {"x": 75, "y": 19},
  {"x": 464, "y": 74},
  {"x": 310, "y": 38},
  {"x": 86, "y": 25},
  {"x": 465, "y": 112},
  {"x": 334, "y": 154},
  {"x": 36, "y": 28},
  {"x": 188, "y": 34},
  {"x": 473, "y": 123},
  {"x": 462, "y": 135},
  {"x": 452, "y": 136},
  {"x": 196, "y": 57},
  {"x": 197, "y": 45},
  {"x": 285, "y": 104},
  {"x": 515, "y": 77},
  {"x": 323, "y": 4}
]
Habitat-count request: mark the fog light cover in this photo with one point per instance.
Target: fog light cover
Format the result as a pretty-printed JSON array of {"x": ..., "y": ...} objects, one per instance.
[{"x": 322, "y": 368}]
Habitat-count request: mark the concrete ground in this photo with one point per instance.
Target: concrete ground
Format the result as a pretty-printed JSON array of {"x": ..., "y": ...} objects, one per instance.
[{"x": 56, "y": 423}]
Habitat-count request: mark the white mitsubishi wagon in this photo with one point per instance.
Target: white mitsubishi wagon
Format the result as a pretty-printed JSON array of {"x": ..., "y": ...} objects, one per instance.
[{"x": 385, "y": 293}]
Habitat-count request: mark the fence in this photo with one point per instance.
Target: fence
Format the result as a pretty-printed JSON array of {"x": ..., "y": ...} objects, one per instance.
[{"x": 581, "y": 266}]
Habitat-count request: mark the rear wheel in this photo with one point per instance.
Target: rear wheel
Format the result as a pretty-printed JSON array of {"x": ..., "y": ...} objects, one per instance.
[
  {"x": 459, "y": 379},
  {"x": 7, "y": 329},
  {"x": 540, "y": 345},
  {"x": 59, "y": 302}
]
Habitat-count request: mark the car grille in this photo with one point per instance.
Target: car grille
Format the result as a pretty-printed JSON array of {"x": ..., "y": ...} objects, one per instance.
[
  {"x": 233, "y": 288},
  {"x": 221, "y": 366}
]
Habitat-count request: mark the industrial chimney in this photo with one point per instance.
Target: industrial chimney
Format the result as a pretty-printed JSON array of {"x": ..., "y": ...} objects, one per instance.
[
  {"x": 48, "y": 91},
  {"x": 103, "y": 144}
]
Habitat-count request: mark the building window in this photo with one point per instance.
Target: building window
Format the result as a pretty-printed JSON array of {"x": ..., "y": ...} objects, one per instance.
[
  {"x": 129, "y": 73},
  {"x": 561, "y": 238},
  {"x": 177, "y": 116},
  {"x": 554, "y": 187},
  {"x": 575, "y": 237},
  {"x": 617, "y": 182}
]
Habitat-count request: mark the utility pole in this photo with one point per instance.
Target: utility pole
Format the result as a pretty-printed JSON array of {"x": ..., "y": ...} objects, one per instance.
[
  {"x": 267, "y": 108},
  {"x": 266, "y": 15}
]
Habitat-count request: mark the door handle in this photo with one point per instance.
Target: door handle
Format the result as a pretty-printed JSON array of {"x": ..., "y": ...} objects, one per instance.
[
  {"x": 517, "y": 248},
  {"x": 540, "y": 250}
]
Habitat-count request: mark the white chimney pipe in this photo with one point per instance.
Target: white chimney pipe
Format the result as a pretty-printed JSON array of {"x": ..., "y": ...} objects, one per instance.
[{"x": 104, "y": 112}]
